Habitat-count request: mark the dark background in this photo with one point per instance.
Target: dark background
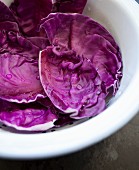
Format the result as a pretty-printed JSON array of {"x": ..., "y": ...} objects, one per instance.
[{"x": 118, "y": 152}]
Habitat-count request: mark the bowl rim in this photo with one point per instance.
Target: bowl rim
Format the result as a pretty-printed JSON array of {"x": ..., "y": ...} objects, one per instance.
[{"x": 77, "y": 137}]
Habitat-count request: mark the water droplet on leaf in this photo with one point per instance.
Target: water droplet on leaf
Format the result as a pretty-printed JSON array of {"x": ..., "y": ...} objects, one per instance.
[
  {"x": 79, "y": 87},
  {"x": 8, "y": 76},
  {"x": 38, "y": 78}
]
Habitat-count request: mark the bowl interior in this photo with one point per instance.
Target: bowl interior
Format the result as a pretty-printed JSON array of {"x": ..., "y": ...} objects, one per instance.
[
  {"x": 122, "y": 26},
  {"x": 118, "y": 17},
  {"x": 124, "y": 33}
]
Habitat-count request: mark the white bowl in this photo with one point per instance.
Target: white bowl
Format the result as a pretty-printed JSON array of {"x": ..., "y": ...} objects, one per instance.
[{"x": 121, "y": 18}]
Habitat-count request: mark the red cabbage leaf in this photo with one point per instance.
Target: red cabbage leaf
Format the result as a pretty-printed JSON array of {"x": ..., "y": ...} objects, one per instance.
[
  {"x": 29, "y": 13},
  {"x": 71, "y": 82},
  {"x": 88, "y": 39},
  {"x": 82, "y": 64},
  {"x": 6, "y": 14},
  {"x": 63, "y": 119},
  {"x": 68, "y": 6},
  {"x": 19, "y": 75},
  {"x": 28, "y": 117}
]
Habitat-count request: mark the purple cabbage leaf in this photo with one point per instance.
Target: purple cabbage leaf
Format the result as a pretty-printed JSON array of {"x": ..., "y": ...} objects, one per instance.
[
  {"x": 63, "y": 119},
  {"x": 19, "y": 75},
  {"x": 40, "y": 42},
  {"x": 29, "y": 13},
  {"x": 54, "y": 68},
  {"x": 68, "y": 6},
  {"x": 6, "y": 14},
  {"x": 27, "y": 117},
  {"x": 71, "y": 83},
  {"x": 88, "y": 39},
  {"x": 80, "y": 67}
]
